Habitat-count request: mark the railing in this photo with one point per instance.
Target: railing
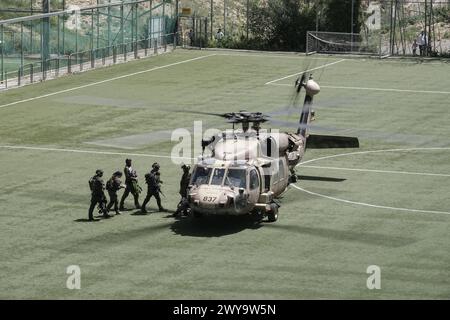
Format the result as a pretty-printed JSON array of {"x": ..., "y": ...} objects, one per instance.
[{"x": 87, "y": 60}]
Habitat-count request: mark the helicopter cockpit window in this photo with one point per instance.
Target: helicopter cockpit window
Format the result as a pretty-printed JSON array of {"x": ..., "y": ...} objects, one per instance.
[
  {"x": 217, "y": 177},
  {"x": 236, "y": 178},
  {"x": 254, "y": 180},
  {"x": 201, "y": 175}
]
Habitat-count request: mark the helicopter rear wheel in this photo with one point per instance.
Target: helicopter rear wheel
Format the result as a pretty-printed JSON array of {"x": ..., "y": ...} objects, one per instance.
[{"x": 272, "y": 215}]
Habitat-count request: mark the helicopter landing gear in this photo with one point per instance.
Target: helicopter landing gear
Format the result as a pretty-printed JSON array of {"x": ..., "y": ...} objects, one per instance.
[
  {"x": 257, "y": 216},
  {"x": 272, "y": 215},
  {"x": 293, "y": 178}
]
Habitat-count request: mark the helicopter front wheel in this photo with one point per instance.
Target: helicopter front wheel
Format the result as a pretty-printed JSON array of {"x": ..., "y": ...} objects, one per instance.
[
  {"x": 272, "y": 215},
  {"x": 196, "y": 214}
]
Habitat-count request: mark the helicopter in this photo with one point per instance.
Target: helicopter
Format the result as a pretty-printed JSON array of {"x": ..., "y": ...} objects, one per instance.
[{"x": 248, "y": 169}]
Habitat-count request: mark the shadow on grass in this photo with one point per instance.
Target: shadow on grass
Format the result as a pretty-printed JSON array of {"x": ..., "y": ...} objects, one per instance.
[
  {"x": 347, "y": 235},
  {"x": 213, "y": 226},
  {"x": 111, "y": 238},
  {"x": 324, "y": 179},
  {"x": 86, "y": 220}
]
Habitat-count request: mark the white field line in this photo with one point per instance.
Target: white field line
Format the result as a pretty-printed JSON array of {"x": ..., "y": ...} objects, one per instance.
[
  {"x": 104, "y": 81},
  {"x": 313, "y": 69},
  {"x": 380, "y": 171},
  {"x": 370, "y": 89},
  {"x": 314, "y": 57},
  {"x": 368, "y": 204},
  {"x": 92, "y": 152},
  {"x": 301, "y": 164}
]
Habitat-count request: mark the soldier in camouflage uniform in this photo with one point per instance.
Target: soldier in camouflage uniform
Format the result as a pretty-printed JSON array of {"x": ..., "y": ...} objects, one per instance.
[
  {"x": 183, "y": 205},
  {"x": 153, "y": 187},
  {"x": 131, "y": 185},
  {"x": 113, "y": 185},
  {"x": 97, "y": 187}
]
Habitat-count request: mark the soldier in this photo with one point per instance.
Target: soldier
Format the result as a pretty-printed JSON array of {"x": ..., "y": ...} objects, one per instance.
[
  {"x": 183, "y": 205},
  {"x": 113, "y": 185},
  {"x": 153, "y": 187},
  {"x": 131, "y": 185},
  {"x": 97, "y": 187}
]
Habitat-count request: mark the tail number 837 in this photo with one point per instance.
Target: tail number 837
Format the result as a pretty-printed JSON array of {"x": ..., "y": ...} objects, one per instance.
[{"x": 209, "y": 199}]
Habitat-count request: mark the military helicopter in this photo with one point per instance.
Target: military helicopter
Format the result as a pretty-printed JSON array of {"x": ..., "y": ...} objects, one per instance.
[{"x": 248, "y": 169}]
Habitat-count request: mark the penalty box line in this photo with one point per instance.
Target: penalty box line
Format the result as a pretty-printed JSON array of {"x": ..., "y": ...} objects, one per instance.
[
  {"x": 309, "y": 70},
  {"x": 105, "y": 81}
]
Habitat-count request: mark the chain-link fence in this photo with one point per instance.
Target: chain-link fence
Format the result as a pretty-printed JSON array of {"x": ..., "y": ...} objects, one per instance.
[
  {"x": 390, "y": 25},
  {"x": 46, "y": 45}
]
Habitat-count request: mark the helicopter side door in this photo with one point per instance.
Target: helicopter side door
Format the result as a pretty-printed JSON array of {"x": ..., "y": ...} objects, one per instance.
[{"x": 279, "y": 177}]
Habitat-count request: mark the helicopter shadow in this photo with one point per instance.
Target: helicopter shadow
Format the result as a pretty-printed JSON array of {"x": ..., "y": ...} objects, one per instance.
[{"x": 213, "y": 226}]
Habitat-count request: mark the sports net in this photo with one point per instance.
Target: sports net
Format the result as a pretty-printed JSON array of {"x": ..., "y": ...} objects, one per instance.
[{"x": 337, "y": 42}]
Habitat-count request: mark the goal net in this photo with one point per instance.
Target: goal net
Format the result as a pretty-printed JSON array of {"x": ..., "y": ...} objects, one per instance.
[{"x": 337, "y": 42}]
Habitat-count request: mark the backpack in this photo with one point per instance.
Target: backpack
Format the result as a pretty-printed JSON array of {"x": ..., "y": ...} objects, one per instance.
[
  {"x": 110, "y": 185},
  {"x": 92, "y": 183}
]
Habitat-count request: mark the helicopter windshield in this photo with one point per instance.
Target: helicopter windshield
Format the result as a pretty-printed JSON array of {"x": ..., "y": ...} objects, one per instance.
[
  {"x": 236, "y": 178},
  {"x": 201, "y": 175},
  {"x": 217, "y": 177}
]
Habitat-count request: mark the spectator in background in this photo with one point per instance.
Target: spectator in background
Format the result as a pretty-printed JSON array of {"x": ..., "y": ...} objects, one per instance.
[
  {"x": 219, "y": 35},
  {"x": 191, "y": 37},
  {"x": 414, "y": 47},
  {"x": 422, "y": 41}
]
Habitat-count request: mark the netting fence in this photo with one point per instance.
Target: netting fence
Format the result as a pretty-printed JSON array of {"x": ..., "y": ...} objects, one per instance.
[
  {"x": 392, "y": 27},
  {"x": 37, "y": 47}
]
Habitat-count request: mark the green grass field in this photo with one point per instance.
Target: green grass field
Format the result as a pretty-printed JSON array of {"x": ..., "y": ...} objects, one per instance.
[{"x": 387, "y": 208}]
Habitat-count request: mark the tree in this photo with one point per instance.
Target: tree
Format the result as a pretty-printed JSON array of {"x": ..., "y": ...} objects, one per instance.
[
  {"x": 339, "y": 16},
  {"x": 281, "y": 24}
]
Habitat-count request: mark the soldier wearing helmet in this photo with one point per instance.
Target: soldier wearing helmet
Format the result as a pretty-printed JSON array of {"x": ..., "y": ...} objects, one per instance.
[
  {"x": 113, "y": 185},
  {"x": 153, "y": 187},
  {"x": 183, "y": 205},
  {"x": 131, "y": 184},
  {"x": 97, "y": 187}
]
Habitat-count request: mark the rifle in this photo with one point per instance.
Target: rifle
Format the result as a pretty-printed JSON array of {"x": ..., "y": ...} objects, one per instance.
[{"x": 161, "y": 193}]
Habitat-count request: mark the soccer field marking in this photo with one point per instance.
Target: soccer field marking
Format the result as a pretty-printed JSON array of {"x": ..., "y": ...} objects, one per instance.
[
  {"x": 309, "y": 70},
  {"x": 93, "y": 152},
  {"x": 373, "y": 151},
  {"x": 105, "y": 81},
  {"x": 380, "y": 171},
  {"x": 368, "y": 204},
  {"x": 364, "y": 203},
  {"x": 369, "y": 89}
]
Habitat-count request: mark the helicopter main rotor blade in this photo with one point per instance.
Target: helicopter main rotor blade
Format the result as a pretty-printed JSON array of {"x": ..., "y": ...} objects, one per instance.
[
  {"x": 317, "y": 178},
  {"x": 202, "y": 112}
]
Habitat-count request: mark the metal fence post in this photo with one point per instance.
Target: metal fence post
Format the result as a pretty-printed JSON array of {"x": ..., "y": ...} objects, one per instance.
[
  {"x": 69, "y": 64},
  {"x": 31, "y": 73},
  {"x": 114, "y": 54},
  {"x": 57, "y": 67},
  {"x": 136, "y": 50},
  {"x": 155, "y": 46},
  {"x": 92, "y": 59}
]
